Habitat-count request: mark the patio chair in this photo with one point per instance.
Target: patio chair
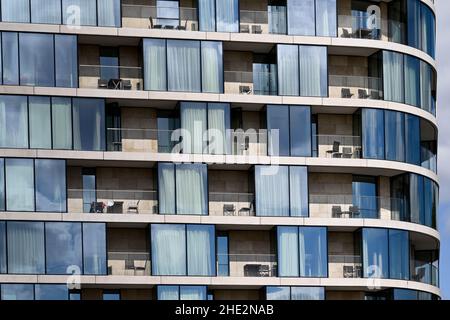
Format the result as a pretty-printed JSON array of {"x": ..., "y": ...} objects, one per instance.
[
  {"x": 345, "y": 93},
  {"x": 229, "y": 209},
  {"x": 245, "y": 28},
  {"x": 362, "y": 94},
  {"x": 154, "y": 26},
  {"x": 335, "y": 150},
  {"x": 348, "y": 272},
  {"x": 133, "y": 207},
  {"x": 353, "y": 211},
  {"x": 126, "y": 85},
  {"x": 347, "y": 152},
  {"x": 102, "y": 84},
  {"x": 336, "y": 212},
  {"x": 245, "y": 90},
  {"x": 256, "y": 29}
]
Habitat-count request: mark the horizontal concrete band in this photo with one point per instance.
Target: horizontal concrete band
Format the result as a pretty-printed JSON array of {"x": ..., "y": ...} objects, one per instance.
[
  {"x": 212, "y": 97},
  {"x": 218, "y": 36},
  {"x": 223, "y": 282},
  {"x": 243, "y": 222},
  {"x": 382, "y": 167}
]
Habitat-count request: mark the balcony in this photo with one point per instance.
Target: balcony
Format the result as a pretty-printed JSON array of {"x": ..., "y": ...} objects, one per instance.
[
  {"x": 355, "y": 87},
  {"x": 144, "y": 16},
  {"x": 344, "y": 266},
  {"x": 113, "y": 201},
  {"x": 129, "y": 263},
  {"x": 231, "y": 204},
  {"x": 249, "y": 265},
  {"x": 120, "y": 77},
  {"x": 339, "y": 146},
  {"x": 250, "y": 83}
]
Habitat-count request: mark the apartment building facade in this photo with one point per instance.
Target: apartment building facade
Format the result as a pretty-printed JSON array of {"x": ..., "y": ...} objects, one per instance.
[{"x": 218, "y": 149}]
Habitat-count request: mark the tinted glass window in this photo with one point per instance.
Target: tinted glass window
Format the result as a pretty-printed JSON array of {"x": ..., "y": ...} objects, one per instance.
[
  {"x": 94, "y": 248},
  {"x": 89, "y": 124},
  {"x": 50, "y": 183}
]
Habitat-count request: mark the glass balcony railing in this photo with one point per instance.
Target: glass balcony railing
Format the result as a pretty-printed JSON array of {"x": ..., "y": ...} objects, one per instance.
[
  {"x": 355, "y": 87},
  {"x": 344, "y": 266},
  {"x": 129, "y": 263},
  {"x": 247, "y": 265},
  {"x": 159, "y": 17},
  {"x": 339, "y": 146},
  {"x": 428, "y": 274},
  {"x": 110, "y": 77},
  {"x": 250, "y": 83},
  {"x": 255, "y": 22},
  {"x": 113, "y": 201},
  {"x": 231, "y": 204},
  {"x": 349, "y": 206}
]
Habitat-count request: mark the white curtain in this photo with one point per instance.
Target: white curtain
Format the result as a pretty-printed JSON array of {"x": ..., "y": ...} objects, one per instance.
[
  {"x": 307, "y": 293},
  {"x": 218, "y": 128},
  {"x": 184, "y": 65},
  {"x": 168, "y": 249},
  {"x": 192, "y": 293},
  {"x": 168, "y": 293},
  {"x": 13, "y": 122},
  {"x": 19, "y": 184},
  {"x": 26, "y": 248},
  {"x": 15, "y": 10},
  {"x": 109, "y": 13},
  {"x": 288, "y": 250},
  {"x": 40, "y": 125},
  {"x": 166, "y": 188},
  {"x": 326, "y": 14},
  {"x": 212, "y": 67},
  {"x": 272, "y": 190},
  {"x": 46, "y": 11},
  {"x": 207, "y": 15},
  {"x": 191, "y": 188},
  {"x": 62, "y": 123},
  {"x": 313, "y": 71},
  {"x": 80, "y": 12},
  {"x": 155, "y": 77},
  {"x": 193, "y": 122},
  {"x": 298, "y": 180},
  {"x": 227, "y": 15},
  {"x": 200, "y": 250},
  {"x": 393, "y": 76},
  {"x": 288, "y": 70}
]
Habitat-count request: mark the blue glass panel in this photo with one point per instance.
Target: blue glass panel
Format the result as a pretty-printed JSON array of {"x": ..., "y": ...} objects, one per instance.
[
  {"x": 37, "y": 62},
  {"x": 307, "y": 293},
  {"x": 3, "y": 268},
  {"x": 13, "y": 121},
  {"x": 50, "y": 181},
  {"x": 288, "y": 252},
  {"x": 375, "y": 253},
  {"x": 300, "y": 131},
  {"x": 365, "y": 196},
  {"x": 89, "y": 124},
  {"x": 10, "y": 56},
  {"x": 94, "y": 248},
  {"x": 301, "y": 17},
  {"x": 278, "y": 293},
  {"x": 398, "y": 254},
  {"x": 412, "y": 139},
  {"x": 373, "y": 133},
  {"x": 201, "y": 250},
  {"x": 313, "y": 252},
  {"x": 278, "y": 130},
  {"x": 66, "y": 61},
  {"x": 63, "y": 245},
  {"x": 51, "y": 292},
  {"x": 394, "y": 135},
  {"x": 192, "y": 293},
  {"x": 17, "y": 291}
]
